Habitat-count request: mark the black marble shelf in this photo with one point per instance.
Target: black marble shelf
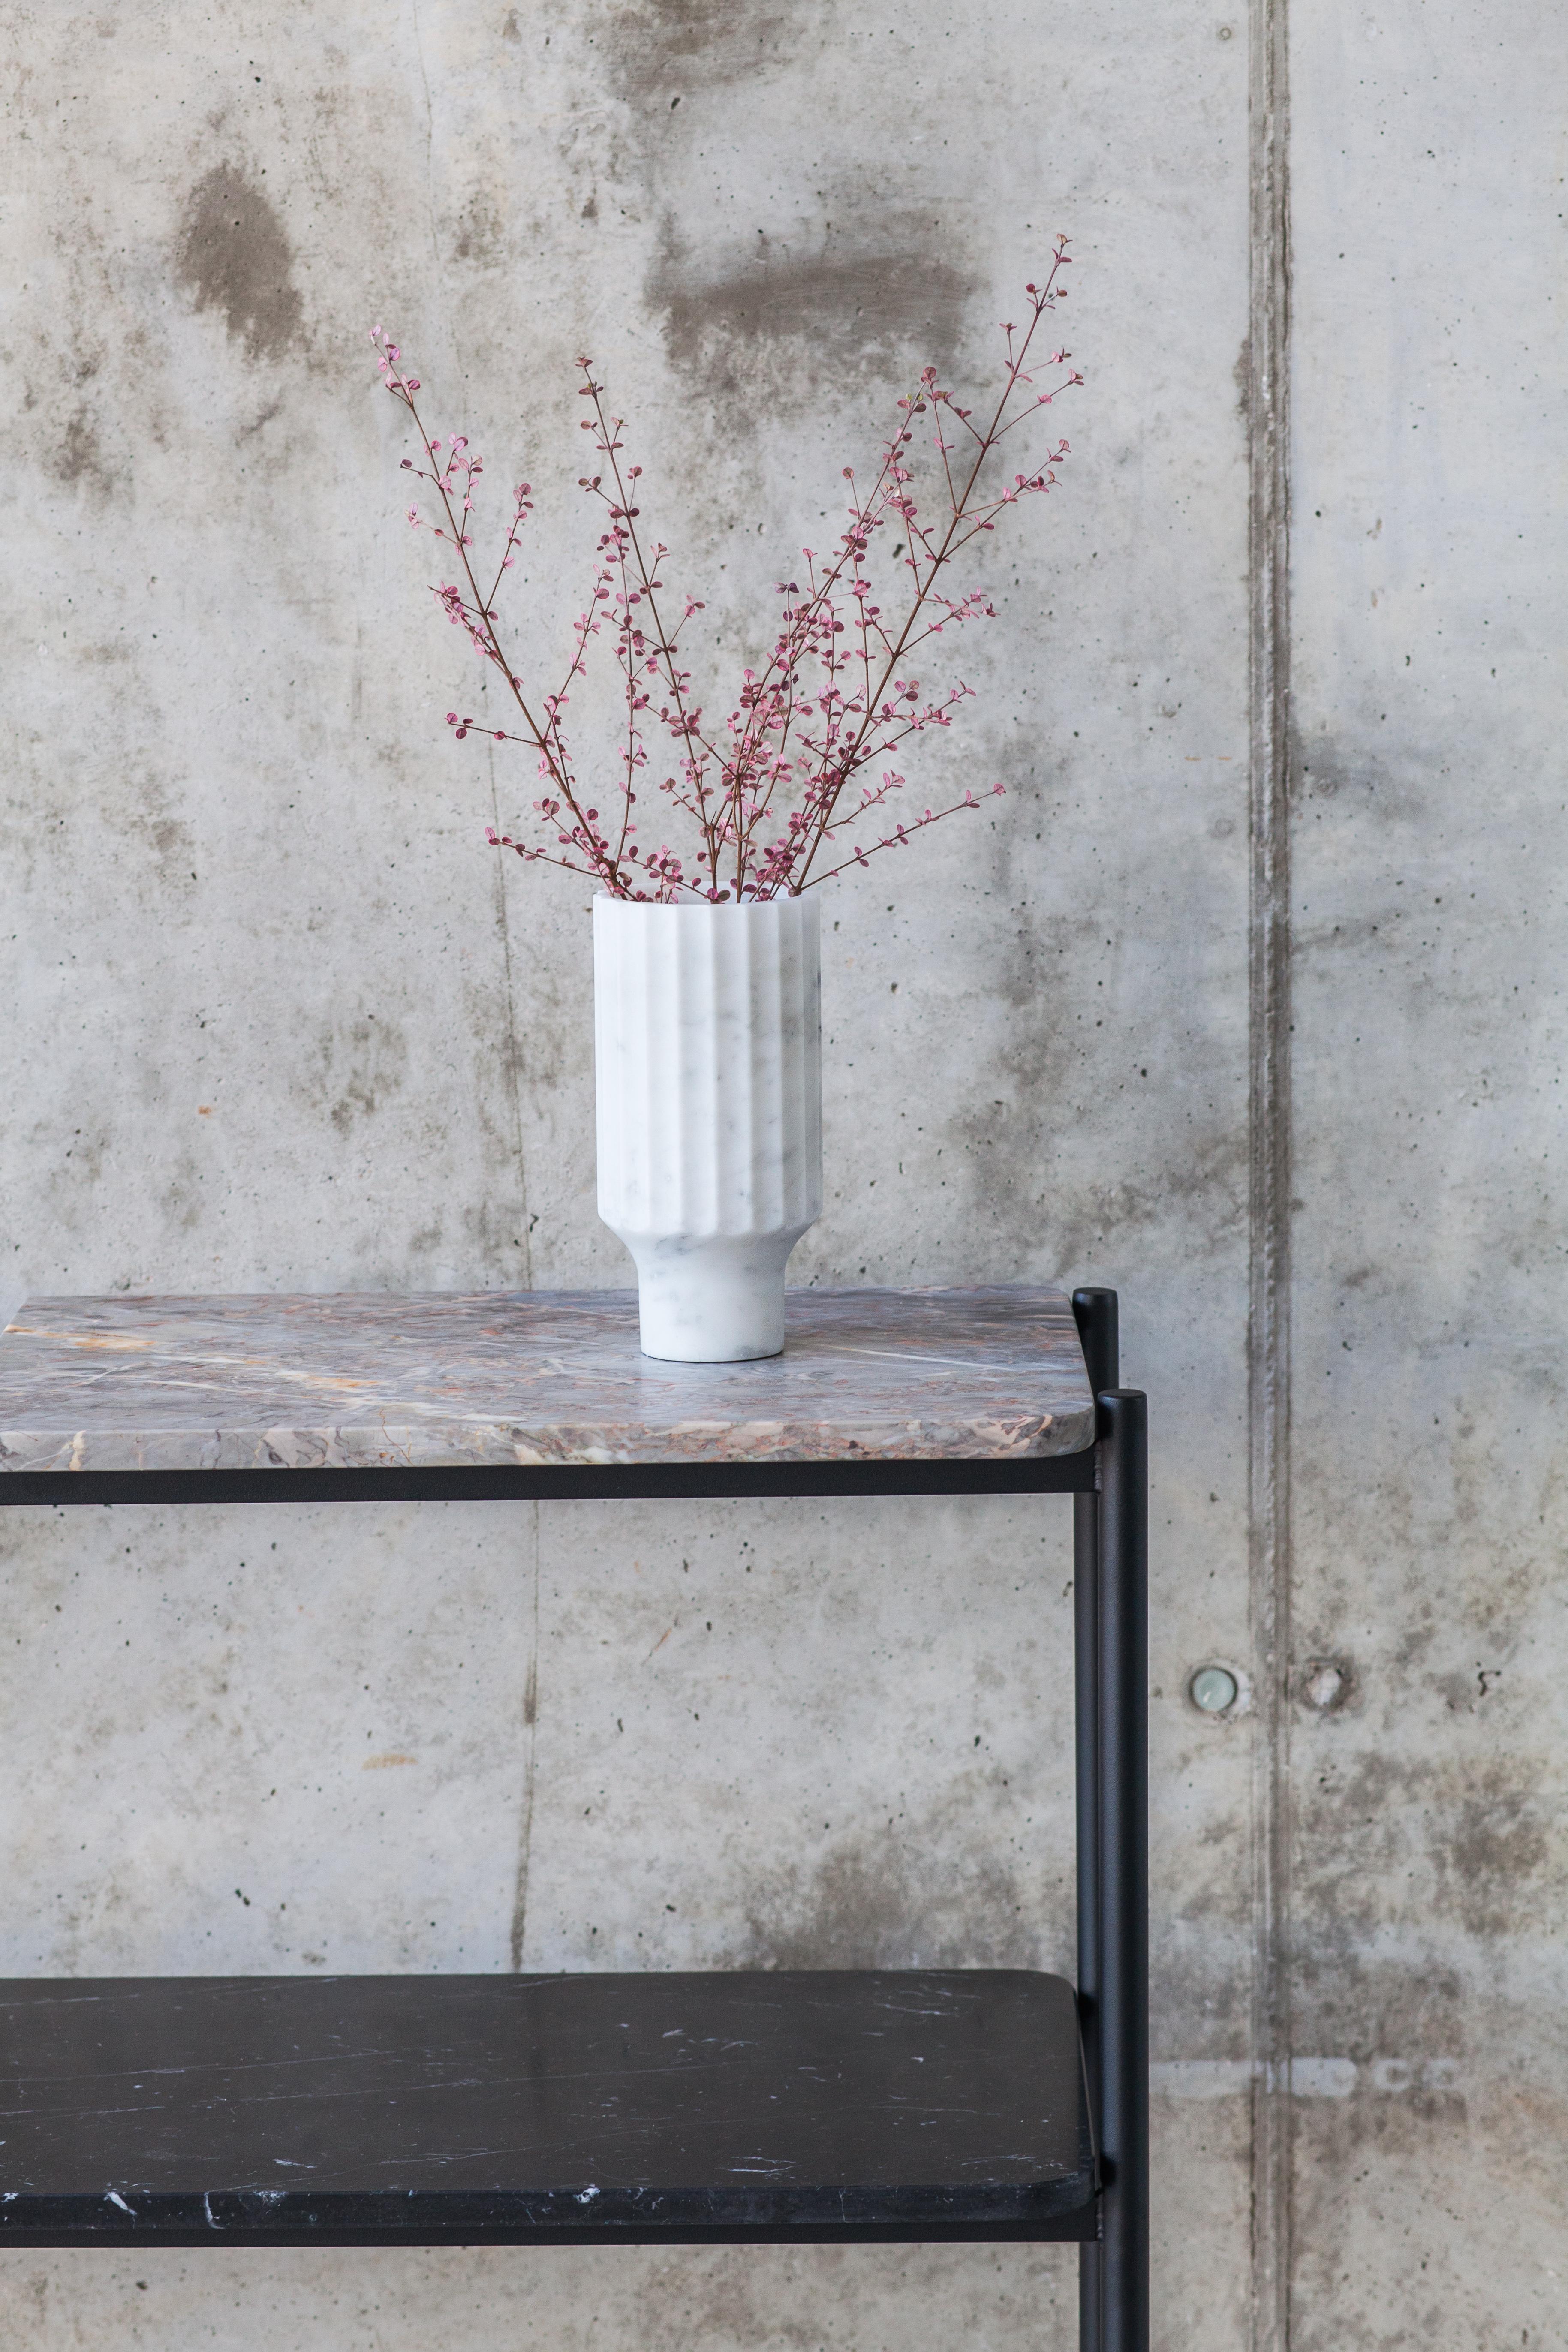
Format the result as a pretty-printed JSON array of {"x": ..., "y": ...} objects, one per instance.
[{"x": 520, "y": 2110}]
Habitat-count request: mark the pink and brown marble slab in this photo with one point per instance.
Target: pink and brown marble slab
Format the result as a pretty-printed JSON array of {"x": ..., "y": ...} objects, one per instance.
[{"x": 433, "y": 1379}]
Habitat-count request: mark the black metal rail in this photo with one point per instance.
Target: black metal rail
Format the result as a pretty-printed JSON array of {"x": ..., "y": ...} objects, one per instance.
[{"x": 556, "y": 1482}]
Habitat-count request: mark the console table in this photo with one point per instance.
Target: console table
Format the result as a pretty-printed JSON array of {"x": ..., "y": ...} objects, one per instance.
[{"x": 918, "y": 2106}]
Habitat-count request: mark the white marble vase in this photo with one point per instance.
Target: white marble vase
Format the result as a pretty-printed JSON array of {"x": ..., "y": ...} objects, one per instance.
[{"x": 708, "y": 1046}]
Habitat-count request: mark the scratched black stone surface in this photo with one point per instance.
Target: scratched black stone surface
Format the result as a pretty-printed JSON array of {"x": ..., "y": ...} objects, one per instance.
[
  {"x": 436, "y": 1380},
  {"x": 420, "y": 2108}
]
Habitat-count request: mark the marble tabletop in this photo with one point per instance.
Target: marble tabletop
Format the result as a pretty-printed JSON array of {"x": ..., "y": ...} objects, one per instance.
[{"x": 435, "y": 1378}]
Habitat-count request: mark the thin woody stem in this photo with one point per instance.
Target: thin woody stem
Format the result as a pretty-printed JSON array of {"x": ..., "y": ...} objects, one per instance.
[
  {"x": 554, "y": 755},
  {"x": 831, "y": 694},
  {"x": 666, "y": 649},
  {"x": 943, "y": 551}
]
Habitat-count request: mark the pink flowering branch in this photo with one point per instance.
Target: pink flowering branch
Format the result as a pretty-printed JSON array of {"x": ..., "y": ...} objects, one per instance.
[{"x": 785, "y": 781}]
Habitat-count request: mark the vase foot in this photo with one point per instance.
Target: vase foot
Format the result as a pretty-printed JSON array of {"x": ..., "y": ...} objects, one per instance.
[{"x": 714, "y": 1304}]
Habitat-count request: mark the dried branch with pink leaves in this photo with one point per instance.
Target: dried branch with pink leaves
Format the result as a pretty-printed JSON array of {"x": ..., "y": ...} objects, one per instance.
[{"x": 789, "y": 789}]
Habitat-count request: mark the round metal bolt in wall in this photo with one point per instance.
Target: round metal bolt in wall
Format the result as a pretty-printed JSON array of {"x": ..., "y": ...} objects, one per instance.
[{"x": 1214, "y": 1689}]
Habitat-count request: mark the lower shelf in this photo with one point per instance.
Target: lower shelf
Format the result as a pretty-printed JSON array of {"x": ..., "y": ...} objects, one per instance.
[{"x": 606, "y": 2109}]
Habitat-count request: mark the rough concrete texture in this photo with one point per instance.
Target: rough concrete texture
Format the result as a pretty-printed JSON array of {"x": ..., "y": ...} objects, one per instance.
[
  {"x": 1431, "y": 1870},
  {"x": 277, "y": 1019}
]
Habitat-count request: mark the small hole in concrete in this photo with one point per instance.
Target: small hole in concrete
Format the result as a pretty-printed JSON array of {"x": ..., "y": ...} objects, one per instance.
[{"x": 1325, "y": 1683}]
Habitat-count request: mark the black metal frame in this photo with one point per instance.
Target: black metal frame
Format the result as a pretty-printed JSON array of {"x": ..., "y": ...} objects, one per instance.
[
  {"x": 1110, "y": 1486},
  {"x": 1110, "y": 1643}
]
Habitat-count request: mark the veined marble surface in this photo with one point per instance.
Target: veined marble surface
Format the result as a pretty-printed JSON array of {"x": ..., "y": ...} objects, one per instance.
[{"x": 433, "y": 1378}]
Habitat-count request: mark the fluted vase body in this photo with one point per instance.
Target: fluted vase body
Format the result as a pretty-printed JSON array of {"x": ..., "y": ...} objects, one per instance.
[{"x": 707, "y": 1049}]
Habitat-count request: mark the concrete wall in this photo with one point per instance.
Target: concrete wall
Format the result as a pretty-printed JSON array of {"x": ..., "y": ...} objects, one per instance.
[{"x": 278, "y": 1019}]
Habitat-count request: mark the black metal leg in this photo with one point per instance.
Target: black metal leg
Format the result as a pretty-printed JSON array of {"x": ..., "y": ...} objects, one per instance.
[
  {"x": 1096, "y": 1312},
  {"x": 1098, "y": 1316},
  {"x": 1085, "y": 1648},
  {"x": 1124, "y": 2007}
]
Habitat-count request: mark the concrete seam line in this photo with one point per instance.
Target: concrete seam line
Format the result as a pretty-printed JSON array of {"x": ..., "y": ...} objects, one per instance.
[
  {"x": 1268, "y": 1362},
  {"x": 513, "y": 1050}
]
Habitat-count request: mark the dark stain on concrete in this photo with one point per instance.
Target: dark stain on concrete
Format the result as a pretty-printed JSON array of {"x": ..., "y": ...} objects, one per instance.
[
  {"x": 916, "y": 1897},
  {"x": 481, "y": 232},
  {"x": 668, "y": 48},
  {"x": 888, "y": 297},
  {"x": 258, "y": 424},
  {"x": 172, "y": 840},
  {"x": 139, "y": 810},
  {"x": 1403, "y": 2025},
  {"x": 1490, "y": 1866},
  {"x": 1463, "y": 1838},
  {"x": 183, "y": 1195},
  {"x": 358, "y": 1067},
  {"x": 846, "y": 290},
  {"x": 77, "y": 458},
  {"x": 234, "y": 257},
  {"x": 1358, "y": 2005}
]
